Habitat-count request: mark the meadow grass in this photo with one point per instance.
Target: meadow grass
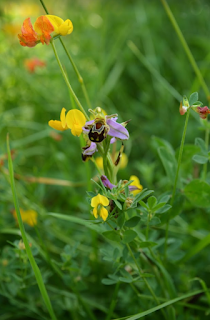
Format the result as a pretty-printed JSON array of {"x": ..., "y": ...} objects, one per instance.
[{"x": 149, "y": 259}]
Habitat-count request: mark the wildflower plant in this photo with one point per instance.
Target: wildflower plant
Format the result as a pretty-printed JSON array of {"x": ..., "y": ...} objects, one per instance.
[{"x": 130, "y": 225}]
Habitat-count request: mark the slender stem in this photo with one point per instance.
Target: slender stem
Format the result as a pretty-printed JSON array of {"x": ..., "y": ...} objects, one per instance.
[
  {"x": 177, "y": 172},
  {"x": 113, "y": 302},
  {"x": 205, "y": 166},
  {"x": 80, "y": 79},
  {"x": 34, "y": 266},
  {"x": 67, "y": 81},
  {"x": 186, "y": 48}
]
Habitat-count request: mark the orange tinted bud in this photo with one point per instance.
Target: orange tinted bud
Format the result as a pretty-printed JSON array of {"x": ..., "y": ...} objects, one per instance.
[{"x": 28, "y": 37}]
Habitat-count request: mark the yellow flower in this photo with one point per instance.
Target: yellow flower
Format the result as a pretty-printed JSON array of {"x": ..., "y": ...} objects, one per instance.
[
  {"x": 74, "y": 120},
  {"x": 28, "y": 216},
  {"x": 45, "y": 27},
  {"x": 59, "y": 125},
  {"x": 98, "y": 203},
  {"x": 137, "y": 184},
  {"x": 60, "y": 26}
]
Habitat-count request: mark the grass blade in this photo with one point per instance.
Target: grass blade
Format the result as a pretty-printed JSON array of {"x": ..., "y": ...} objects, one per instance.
[
  {"x": 25, "y": 240},
  {"x": 163, "y": 305}
]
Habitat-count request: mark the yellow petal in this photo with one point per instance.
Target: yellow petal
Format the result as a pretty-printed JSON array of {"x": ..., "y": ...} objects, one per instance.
[
  {"x": 55, "y": 124},
  {"x": 56, "y": 22},
  {"x": 66, "y": 28},
  {"x": 63, "y": 118},
  {"x": 95, "y": 212},
  {"x": 103, "y": 213},
  {"x": 99, "y": 199},
  {"x": 75, "y": 120},
  {"x": 137, "y": 184}
]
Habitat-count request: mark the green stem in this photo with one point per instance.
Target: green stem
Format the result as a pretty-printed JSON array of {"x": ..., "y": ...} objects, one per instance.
[
  {"x": 177, "y": 172},
  {"x": 67, "y": 81},
  {"x": 34, "y": 266},
  {"x": 186, "y": 47},
  {"x": 205, "y": 166},
  {"x": 80, "y": 79},
  {"x": 114, "y": 301}
]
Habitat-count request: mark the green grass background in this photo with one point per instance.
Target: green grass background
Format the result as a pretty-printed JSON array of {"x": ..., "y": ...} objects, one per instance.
[{"x": 146, "y": 89}]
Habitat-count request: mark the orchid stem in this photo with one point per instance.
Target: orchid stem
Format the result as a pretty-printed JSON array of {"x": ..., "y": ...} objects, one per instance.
[
  {"x": 67, "y": 81},
  {"x": 177, "y": 172}
]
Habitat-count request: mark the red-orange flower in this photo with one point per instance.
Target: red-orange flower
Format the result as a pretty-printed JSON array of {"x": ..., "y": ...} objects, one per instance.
[
  {"x": 44, "y": 28},
  {"x": 32, "y": 64},
  {"x": 202, "y": 111}
]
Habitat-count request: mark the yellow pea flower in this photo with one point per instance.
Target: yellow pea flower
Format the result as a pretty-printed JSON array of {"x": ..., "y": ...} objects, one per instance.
[
  {"x": 59, "y": 125},
  {"x": 45, "y": 27},
  {"x": 98, "y": 203},
  {"x": 60, "y": 26},
  {"x": 28, "y": 216},
  {"x": 75, "y": 121},
  {"x": 137, "y": 184}
]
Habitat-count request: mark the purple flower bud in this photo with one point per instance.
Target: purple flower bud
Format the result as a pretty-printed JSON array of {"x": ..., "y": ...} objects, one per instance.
[{"x": 107, "y": 183}]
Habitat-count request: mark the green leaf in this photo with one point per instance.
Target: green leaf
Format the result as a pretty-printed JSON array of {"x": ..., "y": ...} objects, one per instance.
[
  {"x": 152, "y": 202},
  {"x": 132, "y": 222},
  {"x": 165, "y": 208},
  {"x": 118, "y": 204},
  {"x": 143, "y": 194},
  {"x": 155, "y": 221},
  {"x": 200, "y": 159},
  {"x": 201, "y": 143},
  {"x": 108, "y": 282},
  {"x": 193, "y": 98},
  {"x": 196, "y": 249},
  {"x": 87, "y": 223},
  {"x": 128, "y": 236},
  {"x": 121, "y": 220},
  {"x": 169, "y": 162},
  {"x": 198, "y": 193},
  {"x": 147, "y": 244},
  {"x": 111, "y": 235},
  {"x": 163, "y": 305},
  {"x": 144, "y": 205}
]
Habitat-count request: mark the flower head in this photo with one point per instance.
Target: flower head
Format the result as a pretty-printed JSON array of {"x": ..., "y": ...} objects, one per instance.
[
  {"x": 99, "y": 203},
  {"x": 74, "y": 120},
  {"x": 202, "y": 111},
  {"x": 28, "y": 216},
  {"x": 97, "y": 130},
  {"x": 184, "y": 106},
  {"x": 45, "y": 27}
]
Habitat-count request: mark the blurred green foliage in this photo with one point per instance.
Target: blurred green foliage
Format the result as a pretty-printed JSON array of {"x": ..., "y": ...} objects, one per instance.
[{"x": 146, "y": 88}]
